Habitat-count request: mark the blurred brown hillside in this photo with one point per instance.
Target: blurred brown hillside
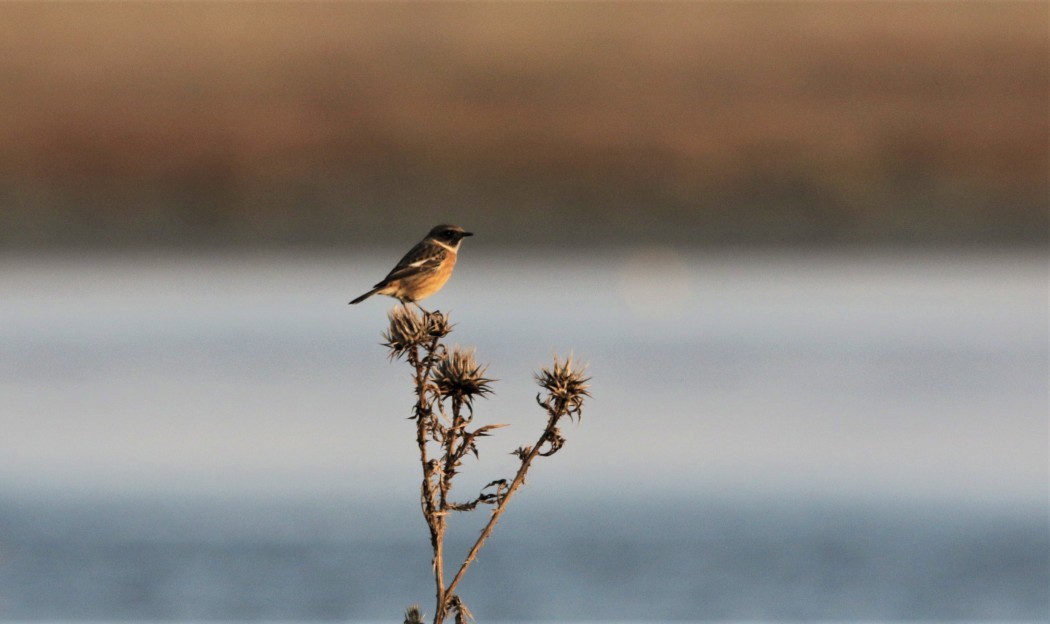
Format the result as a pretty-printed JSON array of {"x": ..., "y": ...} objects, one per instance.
[{"x": 534, "y": 123}]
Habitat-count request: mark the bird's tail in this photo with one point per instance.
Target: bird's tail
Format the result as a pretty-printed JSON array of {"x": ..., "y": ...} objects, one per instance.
[{"x": 365, "y": 296}]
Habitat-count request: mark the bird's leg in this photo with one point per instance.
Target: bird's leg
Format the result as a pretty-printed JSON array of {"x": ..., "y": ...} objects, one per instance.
[
  {"x": 404, "y": 304},
  {"x": 425, "y": 312}
]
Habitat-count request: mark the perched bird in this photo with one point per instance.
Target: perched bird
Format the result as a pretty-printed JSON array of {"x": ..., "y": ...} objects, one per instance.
[{"x": 424, "y": 269}]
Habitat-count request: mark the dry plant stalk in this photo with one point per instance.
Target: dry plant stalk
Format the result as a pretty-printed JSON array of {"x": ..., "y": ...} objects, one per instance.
[{"x": 447, "y": 380}]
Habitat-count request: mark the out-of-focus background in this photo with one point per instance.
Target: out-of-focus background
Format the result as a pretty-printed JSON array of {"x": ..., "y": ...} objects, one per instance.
[
  {"x": 802, "y": 245},
  {"x": 711, "y": 123}
]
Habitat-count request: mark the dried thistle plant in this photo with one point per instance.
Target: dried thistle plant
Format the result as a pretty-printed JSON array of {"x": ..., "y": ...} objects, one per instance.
[{"x": 447, "y": 380}]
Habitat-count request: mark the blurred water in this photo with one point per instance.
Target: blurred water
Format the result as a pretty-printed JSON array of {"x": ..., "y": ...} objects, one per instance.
[
  {"x": 635, "y": 559},
  {"x": 778, "y": 436}
]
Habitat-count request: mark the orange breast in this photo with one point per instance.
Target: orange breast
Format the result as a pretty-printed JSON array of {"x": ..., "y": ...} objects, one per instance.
[{"x": 422, "y": 286}]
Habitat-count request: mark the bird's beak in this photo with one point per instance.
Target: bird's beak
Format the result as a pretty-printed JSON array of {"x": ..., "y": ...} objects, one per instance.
[{"x": 468, "y": 233}]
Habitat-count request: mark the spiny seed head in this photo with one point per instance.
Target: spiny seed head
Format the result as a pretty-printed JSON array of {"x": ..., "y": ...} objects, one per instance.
[
  {"x": 414, "y": 615},
  {"x": 457, "y": 374},
  {"x": 409, "y": 329},
  {"x": 565, "y": 383}
]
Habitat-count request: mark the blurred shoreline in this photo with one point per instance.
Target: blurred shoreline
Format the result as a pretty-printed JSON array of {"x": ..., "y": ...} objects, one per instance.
[{"x": 695, "y": 124}]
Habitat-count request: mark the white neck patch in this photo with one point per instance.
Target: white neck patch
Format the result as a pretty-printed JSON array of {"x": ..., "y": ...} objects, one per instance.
[{"x": 448, "y": 247}]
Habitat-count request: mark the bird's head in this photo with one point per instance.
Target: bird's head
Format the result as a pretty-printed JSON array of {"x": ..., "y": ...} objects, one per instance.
[{"x": 449, "y": 234}]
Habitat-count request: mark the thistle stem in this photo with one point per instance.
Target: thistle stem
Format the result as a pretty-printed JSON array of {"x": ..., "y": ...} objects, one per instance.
[
  {"x": 519, "y": 479},
  {"x": 428, "y": 498}
]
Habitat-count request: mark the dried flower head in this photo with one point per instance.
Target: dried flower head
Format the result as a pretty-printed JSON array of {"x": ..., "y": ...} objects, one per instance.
[
  {"x": 414, "y": 615},
  {"x": 565, "y": 384},
  {"x": 409, "y": 330},
  {"x": 458, "y": 375}
]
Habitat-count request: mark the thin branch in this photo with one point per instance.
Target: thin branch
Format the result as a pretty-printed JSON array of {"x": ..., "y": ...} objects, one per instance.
[{"x": 519, "y": 478}]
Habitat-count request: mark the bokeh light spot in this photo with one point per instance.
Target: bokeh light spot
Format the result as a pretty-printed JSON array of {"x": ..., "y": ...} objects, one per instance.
[{"x": 655, "y": 282}]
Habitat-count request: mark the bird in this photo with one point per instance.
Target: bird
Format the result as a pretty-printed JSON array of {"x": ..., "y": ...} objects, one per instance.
[{"x": 424, "y": 269}]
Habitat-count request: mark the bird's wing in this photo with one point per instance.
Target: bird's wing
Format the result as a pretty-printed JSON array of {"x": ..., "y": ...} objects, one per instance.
[{"x": 424, "y": 257}]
